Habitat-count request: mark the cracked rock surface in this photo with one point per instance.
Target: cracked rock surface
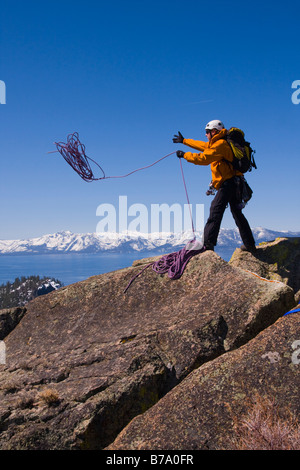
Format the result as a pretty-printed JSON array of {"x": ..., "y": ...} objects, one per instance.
[{"x": 83, "y": 361}]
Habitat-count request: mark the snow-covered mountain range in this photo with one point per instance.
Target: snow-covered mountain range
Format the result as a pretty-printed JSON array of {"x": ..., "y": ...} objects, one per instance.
[{"x": 68, "y": 242}]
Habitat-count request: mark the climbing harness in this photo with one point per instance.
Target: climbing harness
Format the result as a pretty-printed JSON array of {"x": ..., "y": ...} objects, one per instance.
[{"x": 73, "y": 151}]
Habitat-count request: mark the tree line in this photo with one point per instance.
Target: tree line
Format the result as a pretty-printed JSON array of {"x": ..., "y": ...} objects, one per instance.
[{"x": 23, "y": 289}]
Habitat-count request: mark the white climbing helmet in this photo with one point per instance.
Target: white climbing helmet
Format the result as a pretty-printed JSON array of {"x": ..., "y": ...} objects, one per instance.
[{"x": 215, "y": 124}]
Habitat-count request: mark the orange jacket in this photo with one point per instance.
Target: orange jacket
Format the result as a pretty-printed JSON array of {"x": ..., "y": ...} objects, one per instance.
[{"x": 215, "y": 153}]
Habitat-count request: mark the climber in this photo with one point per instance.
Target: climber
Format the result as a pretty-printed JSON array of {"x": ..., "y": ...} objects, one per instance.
[{"x": 218, "y": 154}]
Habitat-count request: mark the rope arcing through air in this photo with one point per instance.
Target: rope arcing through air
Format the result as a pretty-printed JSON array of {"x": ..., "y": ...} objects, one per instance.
[{"x": 73, "y": 151}]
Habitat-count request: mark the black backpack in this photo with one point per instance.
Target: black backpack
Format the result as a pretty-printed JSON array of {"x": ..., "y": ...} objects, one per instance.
[{"x": 243, "y": 159}]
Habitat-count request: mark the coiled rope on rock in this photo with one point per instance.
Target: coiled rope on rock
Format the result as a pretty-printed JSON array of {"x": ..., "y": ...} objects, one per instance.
[{"x": 173, "y": 264}]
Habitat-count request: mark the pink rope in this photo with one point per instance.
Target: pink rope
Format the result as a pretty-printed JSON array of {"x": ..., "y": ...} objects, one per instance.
[
  {"x": 142, "y": 168},
  {"x": 187, "y": 197},
  {"x": 174, "y": 264},
  {"x": 73, "y": 151}
]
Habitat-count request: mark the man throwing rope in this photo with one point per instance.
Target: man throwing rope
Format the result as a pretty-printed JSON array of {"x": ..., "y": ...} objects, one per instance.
[{"x": 215, "y": 152}]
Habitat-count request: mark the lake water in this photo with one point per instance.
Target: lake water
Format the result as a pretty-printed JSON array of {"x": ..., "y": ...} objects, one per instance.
[{"x": 70, "y": 268}]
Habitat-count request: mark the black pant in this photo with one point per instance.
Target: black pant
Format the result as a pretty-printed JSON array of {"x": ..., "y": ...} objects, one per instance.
[{"x": 226, "y": 195}]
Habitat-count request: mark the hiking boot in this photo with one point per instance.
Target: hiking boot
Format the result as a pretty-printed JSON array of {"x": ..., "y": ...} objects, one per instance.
[
  {"x": 251, "y": 249},
  {"x": 209, "y": 246}
]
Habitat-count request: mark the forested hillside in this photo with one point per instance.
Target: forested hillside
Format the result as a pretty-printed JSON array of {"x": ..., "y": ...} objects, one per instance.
[{"x": 22, "y": 290}]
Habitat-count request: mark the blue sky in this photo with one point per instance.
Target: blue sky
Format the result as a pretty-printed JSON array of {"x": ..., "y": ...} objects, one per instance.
[{"x": 127, "y": 76}]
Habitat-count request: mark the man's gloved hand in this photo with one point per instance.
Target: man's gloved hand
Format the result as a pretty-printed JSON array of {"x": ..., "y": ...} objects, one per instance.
[
  {"x": 180, "y": 154},
  {"x": 178, "y": 139}
]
